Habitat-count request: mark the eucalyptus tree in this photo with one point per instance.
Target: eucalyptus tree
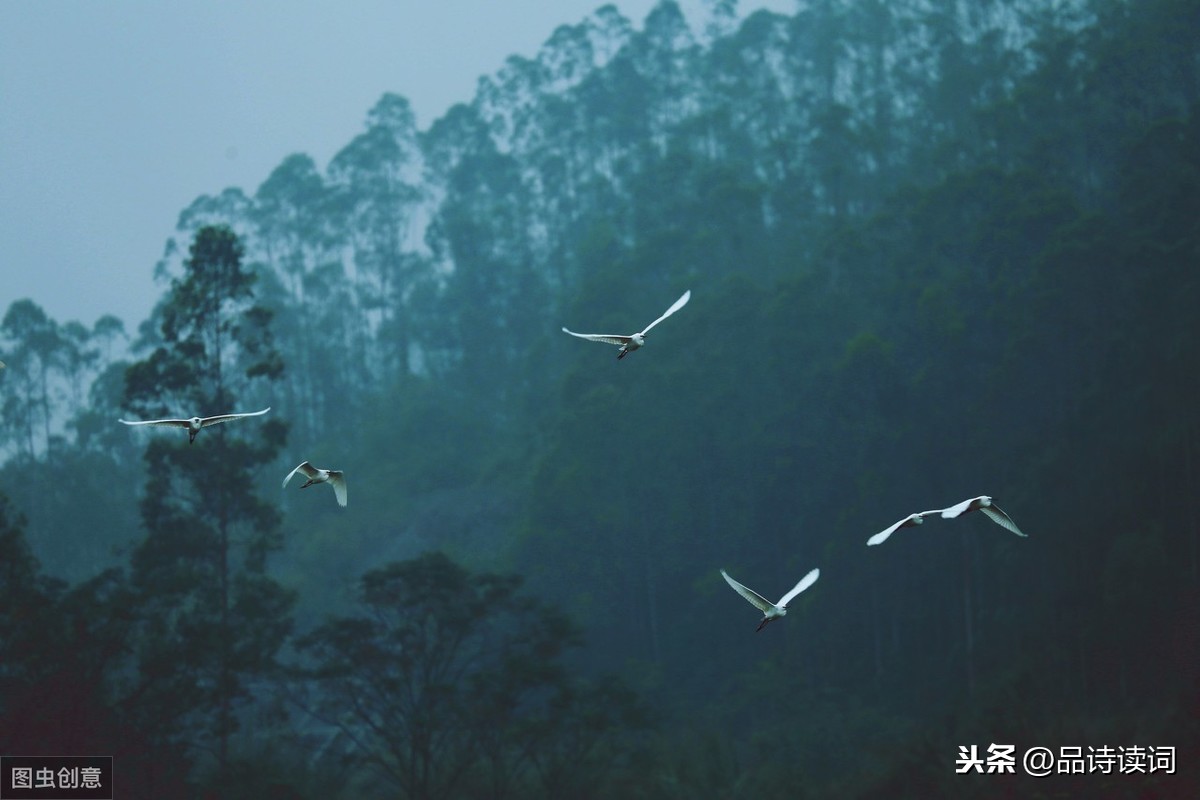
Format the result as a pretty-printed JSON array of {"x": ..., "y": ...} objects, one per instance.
[
  {"x": 667, "y": 54},
  {"x": 75, "y": 514},
  {"x": 482, "y": 233},
  {"x": 210, "y": 618},
  {"x": 106, "y": 332},
  {"x": 291, "y": 212},
  {"x": 50, "y": 366},
  {"x": 78, "y": 361},
  {"x": 376, "y": 184},
  {"x": 553, "y": 115},
  {"x": 35, "y": 347},
  {"x": 231, "y": 208},
  {"x": 295, "y": 235}
]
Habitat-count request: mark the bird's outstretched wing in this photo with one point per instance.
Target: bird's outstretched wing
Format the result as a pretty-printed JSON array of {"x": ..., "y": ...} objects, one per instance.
[
  {"x": 959, "y": 508},
  {"x": 882, "y": 536},
  {"x": 174, "y": 423},
  {"x": 678, "y": 304},
  {"x": 911, "y": 519},
  {"x": 756, "y": 599},
  {"x": 219, "y": 418},
  {"x": 805, "y": 582},
  {"x": 609, "y": 338},
  {"x": 1002, "y": 519},
  {"x": 304, "y": 467},
  {"x": 337, "y": 479}
]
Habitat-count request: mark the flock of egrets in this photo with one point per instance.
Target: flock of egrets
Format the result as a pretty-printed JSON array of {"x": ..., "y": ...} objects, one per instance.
[
  {"x": 335, "y": 478},
  {"x": 627, "y": 344},
  {"x": 773, "y": 611}
]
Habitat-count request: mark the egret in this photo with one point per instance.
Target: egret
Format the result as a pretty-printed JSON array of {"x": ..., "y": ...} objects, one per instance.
[
  {"x": 907, "y": 522},
  {"x": 334, "y": 477},
  {"x": 983, "y": 503},
  {"x": 194, "y": 424},
  {"x": 772, "y": 610},
  {"x": 632, "y": 342}
]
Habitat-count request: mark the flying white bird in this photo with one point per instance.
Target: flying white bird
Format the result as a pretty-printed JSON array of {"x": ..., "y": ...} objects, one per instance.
[
  {"x": 772, "y": 610},
  {"x": 983, "y": 503},
  {"x": 907, "y": 522},
  {"x": 194, "y": 424},
  {"x": 334, "y": 477},
  {"x": 632, "y": 342}
]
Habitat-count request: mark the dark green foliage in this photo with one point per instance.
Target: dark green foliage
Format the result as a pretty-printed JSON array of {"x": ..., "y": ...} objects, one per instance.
[
  {"x": 450, "y": 682},
  {"x": 27, "y": 597},
  {"x": 210, "y": 617},
  {"x": 64, "y": 677},
  {"x": 45, "y": 389}
]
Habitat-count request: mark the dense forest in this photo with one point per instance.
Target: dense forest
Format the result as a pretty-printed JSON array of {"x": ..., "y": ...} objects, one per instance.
[{"x": 936, "y": 249}]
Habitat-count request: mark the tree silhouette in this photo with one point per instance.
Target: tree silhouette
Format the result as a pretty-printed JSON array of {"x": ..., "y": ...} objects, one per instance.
[
  {"x": 210, "y": 618},
  {"x": 37, "y": 349},
  {"x": 450, "y": 680}
]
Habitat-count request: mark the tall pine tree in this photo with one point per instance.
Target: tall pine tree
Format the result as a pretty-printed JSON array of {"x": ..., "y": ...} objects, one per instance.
[{"x": 211, "y": 619}]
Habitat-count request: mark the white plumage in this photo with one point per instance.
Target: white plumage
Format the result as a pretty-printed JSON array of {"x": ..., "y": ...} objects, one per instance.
[
  {"x": 335, "y": 478},
  {"x": 910, "y": 520},
  {"x": 635, "y": 340},
  {"x": 194, "y": 424},
  {"x": 983, "y": 503},
  {"x": 771, "y": 610}
]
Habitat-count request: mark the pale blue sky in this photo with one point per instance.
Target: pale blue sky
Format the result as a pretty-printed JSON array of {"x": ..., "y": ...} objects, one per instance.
[{"x": 114, "y": 116}]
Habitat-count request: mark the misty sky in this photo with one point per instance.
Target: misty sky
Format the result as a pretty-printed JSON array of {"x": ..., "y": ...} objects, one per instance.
[{"x": 114, "y": 116}]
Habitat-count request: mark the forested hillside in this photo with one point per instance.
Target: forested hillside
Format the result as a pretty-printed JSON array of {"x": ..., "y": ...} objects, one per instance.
[{"x": 936, "y": 249}]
